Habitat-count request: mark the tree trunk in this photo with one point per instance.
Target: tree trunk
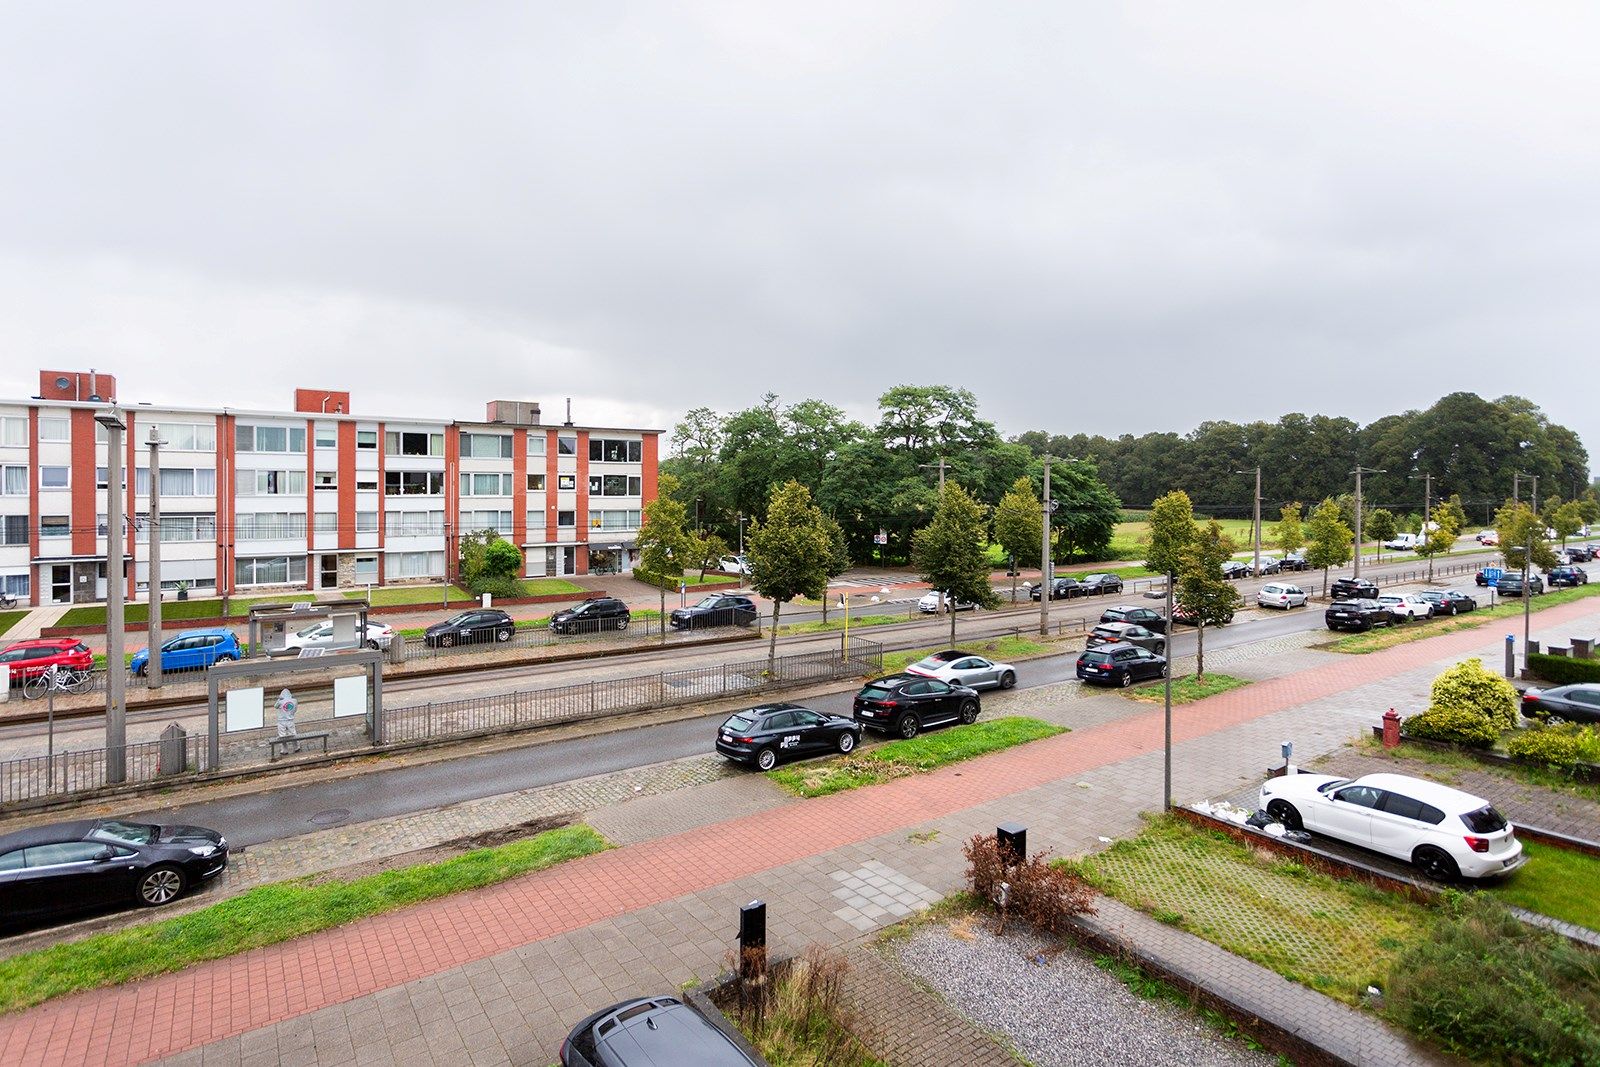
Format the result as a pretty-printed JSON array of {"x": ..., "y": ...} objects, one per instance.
[
  {"x": 1200, "y": 651},
  {"x": 953, "y": 620},
  {"x": 772, "y": 642},
  {"x": 1324, "y": 581},
  {"x": 824, "y": 606},
  {"x": 662, "y": 622}
]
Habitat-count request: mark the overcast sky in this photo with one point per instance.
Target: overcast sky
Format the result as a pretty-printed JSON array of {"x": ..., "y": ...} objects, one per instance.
[{"x": 1097, "y": 217}]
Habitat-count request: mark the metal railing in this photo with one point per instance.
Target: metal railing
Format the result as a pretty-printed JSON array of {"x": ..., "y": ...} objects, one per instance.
[
  {"x": 638, "y": 631},
  {"x": 35, "y": 777}
]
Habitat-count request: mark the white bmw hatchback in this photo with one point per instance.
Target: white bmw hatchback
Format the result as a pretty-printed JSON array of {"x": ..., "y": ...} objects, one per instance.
[{"x": 1446, "y": 833}]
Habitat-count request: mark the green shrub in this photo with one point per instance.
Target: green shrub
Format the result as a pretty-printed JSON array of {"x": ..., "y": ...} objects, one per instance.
[
  {"x": 1497, "y": 991},
  {"x": 499, "y": 586},
  {"x": 1469, "y": 686},
  {"x": 1561, "y": 747},
  {"x": 1458, "y": 726},
  {"x": 1563, "y": 670}
]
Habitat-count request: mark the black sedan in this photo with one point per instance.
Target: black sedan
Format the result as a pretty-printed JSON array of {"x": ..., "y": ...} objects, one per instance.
[
  {"x": 1234, "y": 568},
  {"x": 1359, "y": 614},
  {"x": 1511, "y": 584},
  {"x": 766, "y": 733},
  {"x": 903, "y": 704},
  {"x": 94, "y": 863},
  {"x": 1099, "y": 584},
  {"x": 1294, "y": 561},
  {"x": 1574, "y": 703},
  {"x": 1449, "y": 601},
  {"x": 1060, "y": 589},
  {"x": 1120, "y": 665},
  {"x": 1149, "y": 618},
  {"x": 478, "y": 626},
  {"x": 719, "y": 609}
]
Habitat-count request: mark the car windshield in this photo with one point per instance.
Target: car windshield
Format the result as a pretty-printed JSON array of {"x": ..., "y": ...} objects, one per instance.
[
  {"x": 133, "y": 833},
  {"x": 873, "y": 692},
  {"x": 932, "y": 663},
  {"x": 709, "y": 602},
  {"x": 741, "y": 721},
  {"x": 1105, "y": 633},
  {"x": 310, "y": 631},
  {"x": 1096, "y": 657},
  {"x": 1486, "y": 820},
  {"x": 1335, "y": 784}
]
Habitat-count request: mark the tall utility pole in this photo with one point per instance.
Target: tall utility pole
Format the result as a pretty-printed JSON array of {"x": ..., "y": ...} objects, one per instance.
[
  {"x": 1358, "y": 472},
  {"x": 931, "y": 466},
  {"x": 1534, "y": 502},
  {"x": 1427, "y": 513},
  {"x": 1527, "y": 595},
  {"x": 741, "y": 533},
  {"x": 153, "y": 640},
  {"x": 116, "y": 668},
  {"x": 1166, "y": 676},
  {"x": 1257, "y": 519},
  {"x": 1516, "y": 488},
  {"x": 1044, "y": 557}
]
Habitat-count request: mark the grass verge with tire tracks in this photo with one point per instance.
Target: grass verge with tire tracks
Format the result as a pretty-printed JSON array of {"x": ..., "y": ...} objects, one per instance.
[
  {"x": 1187, "y": 689},
  {"x": 271, "y": 914},
  {"x": 916, "y": 755},
  {"x": 1378, "y": 640}
]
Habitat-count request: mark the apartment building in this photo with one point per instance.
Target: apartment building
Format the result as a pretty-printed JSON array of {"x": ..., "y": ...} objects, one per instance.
[{"x": 317, "y": 497}]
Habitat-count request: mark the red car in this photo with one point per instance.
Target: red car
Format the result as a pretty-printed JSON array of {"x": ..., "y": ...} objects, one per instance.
[{"x": 27, "y": 659}]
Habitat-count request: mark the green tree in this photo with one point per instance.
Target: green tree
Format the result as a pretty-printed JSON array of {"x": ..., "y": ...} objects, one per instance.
[
  {"x": 1172, "y": 531},
  {"x": 1287, "y": 531},
  {"x": 1019, "y": 523},
  {"x": 1449, "y": 519},
  {"x": 950, "y": 552},
  {"x": 1521, "y": 529},
  {"x": 664, "y": 543},
  {"x": 1589, "y": 505},
  {"x": 1381, "y": 526},
  {"x": 1328, "y": 539},
  {"x": 1567, "y": 520},
  {"x": 1087, "y": 512},
  {"x": 790, "y": 554},
  {"x": 490, "y": 564},
  {"x": 838, "y": 556},
  {"x": 707, "y": 550},
  {"x": 1202, "y": 592}
]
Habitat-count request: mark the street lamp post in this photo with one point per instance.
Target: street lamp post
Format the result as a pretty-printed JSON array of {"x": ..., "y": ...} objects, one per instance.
[
  {"x": 1358, "y": 472},
  {"x": 1166, "y": 675},
  {"x": 1044, "y": 557},
  {"x": 1427, "y": 514},
  {"x": 153, "y": 637},
  {"x": 116, "y": 668},
  {"x": 1256, "y": 513}
]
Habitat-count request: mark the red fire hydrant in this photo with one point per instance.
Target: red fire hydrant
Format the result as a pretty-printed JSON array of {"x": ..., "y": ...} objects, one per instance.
[{"x": 1391, "y": 729}]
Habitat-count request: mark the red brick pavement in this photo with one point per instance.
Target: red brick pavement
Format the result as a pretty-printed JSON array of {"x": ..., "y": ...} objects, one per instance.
[{"x": 171, "y": 1013}]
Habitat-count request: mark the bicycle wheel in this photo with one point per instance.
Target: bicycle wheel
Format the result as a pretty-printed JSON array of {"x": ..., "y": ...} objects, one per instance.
[
  {"x": 37, "y": 686},
  {"x": 78, "y": 681}
]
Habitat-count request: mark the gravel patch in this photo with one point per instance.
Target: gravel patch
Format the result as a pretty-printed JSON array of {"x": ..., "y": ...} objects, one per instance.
[{"x": 1064, "y": 1011}]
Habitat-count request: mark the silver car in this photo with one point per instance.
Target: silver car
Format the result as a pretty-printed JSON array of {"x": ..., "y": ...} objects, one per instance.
[
  {"x": 1281, "y": 595},
  {"x": 956, "y": 667}
]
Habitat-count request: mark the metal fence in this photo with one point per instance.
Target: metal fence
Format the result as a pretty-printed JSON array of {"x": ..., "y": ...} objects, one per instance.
[
  {"x": 35, "y": 777},
  {"x": 612, "y": 696},
  {"x": 637, "y": 631}
]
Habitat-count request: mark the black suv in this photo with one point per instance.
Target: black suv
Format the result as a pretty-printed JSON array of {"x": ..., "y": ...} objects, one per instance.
[
  {"x": 1357, "y": 614},
  {"x": 766, "y": 733},
  {"x": 1448, "y": 601},
  {"x": 1567, "y": 576},
  {"x": 592, "y": 616},
  {"x": 1096, "y": 584},
  {"x": 477, "y": 626},
  {"x": 1060, "y": 589},
  {"x": 1354, "y": 589},
  {"x": 902, "y": 704},
  {"x": 1511, "y": 584},
  {"x": 718, "y": 609},
  {"x": 1234, "y": 568},
  {"x": 1146, "y": 617},
  {"x": 1294, "y": 561},
  {"x": 1120, "y": 664}
]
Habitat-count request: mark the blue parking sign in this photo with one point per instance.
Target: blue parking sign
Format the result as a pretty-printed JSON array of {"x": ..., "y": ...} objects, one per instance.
[{"x": 1491, "y": 575}]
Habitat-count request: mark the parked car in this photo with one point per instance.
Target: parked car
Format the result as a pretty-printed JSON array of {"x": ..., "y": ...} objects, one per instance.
[
  {"x": 1119, "y": 665},
  {"x": 190, "y": 650},
  {"x": 650, "y": 1032},
  {"x": 1574, "y": 703},
  {"x": 29, "y": 659},
  {"x": 1112, "y": 633},
  {"x": 718, "y": 609},
  {"x": 1281, "y": 595},
  {"x": 1353, "y": 589},
  {"x": 1181, "y": 614},
  {"x": 903, "y": 704},
  {"x": 1060, "y": 589},
  {"x": 1580, "y": 554},
  {"x": 1510, "y": 584},
  {"x": 1449, "y": 601},
  {"x": 1359, "y": 614},
  {"x": 592, "y": 616},
  {"x": 1294, "y": 561},
  {"x": 1567, "y": 576},
  {"x": 1488, "y": 538},
  {"x": 1407, "y": 606},
  {"x": 734, "y": 565},
  {"x": 766, "y": 733},
  {"x": 1149, "y": 618},
  {"x": 1403, "y": 542},
  {"x": 475, "y": 626},
  {"x": 1444, "y": 832},
  {"x": 1482, "y": 577},
  {"x": 1269, "y": 565},
  {"x": 1100, "y": 584},
  {"x": 933, "y": 601},
  {"x": 74, "y": 866},
  {"x": 956, "y": 667},
  {"x": 320, "y": 635},
  {"x": 1234, "y": 568}
]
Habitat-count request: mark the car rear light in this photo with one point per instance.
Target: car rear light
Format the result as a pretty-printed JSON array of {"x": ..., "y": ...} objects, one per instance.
[
  {"x": 1477, "y": 844},
  {"x": 888, "y": 703},
  {"x": 744, "y": 740},
  {"x": 1529, "y": 697}
]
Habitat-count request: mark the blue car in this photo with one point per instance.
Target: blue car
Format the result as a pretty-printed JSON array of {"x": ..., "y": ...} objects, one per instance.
[{"x": 189, "y": 650}]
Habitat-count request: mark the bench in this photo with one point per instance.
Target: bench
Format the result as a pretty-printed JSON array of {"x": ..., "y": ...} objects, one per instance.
[{"x": 275, "y": 745}]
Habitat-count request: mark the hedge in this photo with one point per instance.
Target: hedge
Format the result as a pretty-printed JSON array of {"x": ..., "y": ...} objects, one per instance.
[
  {"x": 1561, "y": 748},
  {"x": 1563, "y": 670}
]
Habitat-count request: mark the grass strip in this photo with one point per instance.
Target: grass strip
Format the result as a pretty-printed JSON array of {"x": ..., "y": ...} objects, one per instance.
[
  {"x": 817, "y": 626},
  {"x": 1000, "y": 648},
  {"x": 1556, "y": 882},
  {"x": 271, "y": 914},
  {"x": 1187, "y": 689},
  {"x": 1389, "y": 636},
  {"x": 8, "y": 619},
  {"x": 917, "y": 755},
  {"x": 171, "y": 610}
]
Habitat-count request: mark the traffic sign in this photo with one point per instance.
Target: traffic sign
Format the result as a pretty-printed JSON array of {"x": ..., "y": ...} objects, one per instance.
[{"x": 1491, "y": 575}]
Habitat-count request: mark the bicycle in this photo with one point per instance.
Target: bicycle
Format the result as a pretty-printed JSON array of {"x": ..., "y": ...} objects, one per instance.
[
  {"x": 62, "y": 680},
  {"x": 7, "y": 601}
]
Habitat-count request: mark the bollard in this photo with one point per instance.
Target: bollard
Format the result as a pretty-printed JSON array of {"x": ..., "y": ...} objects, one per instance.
[
  {"x": 1012, "y": 839},
  {"x": 1511, "y": 656},
  {"x": 1391, "y": 729},
  {"x": 752, "y": 940},
  {"x": 1582, "y": 648},
  {"x": 173, "y": 754}
]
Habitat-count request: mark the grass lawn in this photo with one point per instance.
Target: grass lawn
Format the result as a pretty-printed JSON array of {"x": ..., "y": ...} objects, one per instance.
[
  {"x": 1000, "y": 648},
  {"x": 412, "y": 594},
  {"x": 1335, "y": 936},
  {"x": 915, "y": 756},
  {"x": 176, "y": 610},
  {"x": 8, "y": 619},
  {"x": 817, "y": 626},
  {"x": 1555, "y": 882},
  {"x": 270, "y": 914},
  {"x": 692, "y": 580},
  {"x": 1389, "y": 636},
  {"x": 1186, "y": 690}
]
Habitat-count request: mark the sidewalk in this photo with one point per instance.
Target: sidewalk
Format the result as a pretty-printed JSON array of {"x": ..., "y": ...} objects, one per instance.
[{"x": 498, "y": 974}]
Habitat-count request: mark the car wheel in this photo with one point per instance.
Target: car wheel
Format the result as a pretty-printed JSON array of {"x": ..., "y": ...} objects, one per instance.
[
  {"x": 622, "y": 624},
  {"x": 908, "y": 726},
  {"x": 1126, "y": 679},
  {"x": 142, "y": 671},
  {"x": 1284, "y": 812},
  {"x": 847, "y": 743},
  {"x": 447, "y": 640},
  {"x": 1436, "y": 863},
  {"x": 160, "y": 885},
  {"x": 766, "y": 759},
  {"x": 1008, "y": 679},
  {"x": 373, "y": 645},
  {"x": 1160, "y": 649},
  {"x": 502, "y": 635},
  {"x": 969, "y": 712}
]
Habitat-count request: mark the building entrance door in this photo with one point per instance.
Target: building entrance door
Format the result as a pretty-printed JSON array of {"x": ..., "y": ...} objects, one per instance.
[
  {"x": 60, "y": 583},
  {"x": 330, "y": 571}
]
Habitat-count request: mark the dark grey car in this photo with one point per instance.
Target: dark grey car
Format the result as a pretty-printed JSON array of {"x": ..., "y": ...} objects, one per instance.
[
  {"x": 1110, "y": 633},
  {"x": 653, "y": 1032},
  {"x": 1574, "y": 703}
]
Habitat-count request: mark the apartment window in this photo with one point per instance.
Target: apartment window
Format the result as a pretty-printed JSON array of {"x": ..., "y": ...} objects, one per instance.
[
  {"x": 498, "y": 521},
  {"x": 199, "y": 527},
  {"x": 17, "y": 585},
  {"x": 269, "y": 570},
  {"x": 271, "y": 483},
  {"x": 327, "y": 480},
  {"x": 535, "y": 483},
  {"x": 54, "y": 526},
  {"x": 413, "y": 483},
  {"x": 249, "y": 438},
  {"x": 178, "y": 481},
  {"x": 102, "y": 477},
  {"x": 566, "y": 444},
  {"x": 614, "y": 485},
  {"x": 269, "y": 525},
  {"x": 327, "y": 436},
  {"x": 326, "y": 522},
  {"x": 14, "y": 481},
  {"x": 416, "y": 564},
  {"x": 412, "y": 443},
  {"x": 54, "y": 429},
  {"x": 611, "y": 450},
  {"x": 367, "y": 484},
  {"x": 14, "y": 432},
  {"x": 188, "y": 436},
  {"x": 536, "y": 443},
  {"x": 367, "y": 439},
  {"x": 367, "y": 569},
  {"x": 566, "y": 519},
  {"x": 366, "y": 522},
  {"x": 14, "y": 530},
  {"x": 53, "y": 477},
  {"x": 486, "y": 485},
  {"x": 566, "y": 481},
  {"x": 414, "y": 523},
  {"x": 485, "y": 446},
  {"x": 617, "y": 519},
  {"x": 535, "y": 522}
]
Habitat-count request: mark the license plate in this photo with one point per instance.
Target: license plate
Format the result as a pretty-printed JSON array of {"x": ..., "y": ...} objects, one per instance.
[{"x": 727, "y": 737}]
